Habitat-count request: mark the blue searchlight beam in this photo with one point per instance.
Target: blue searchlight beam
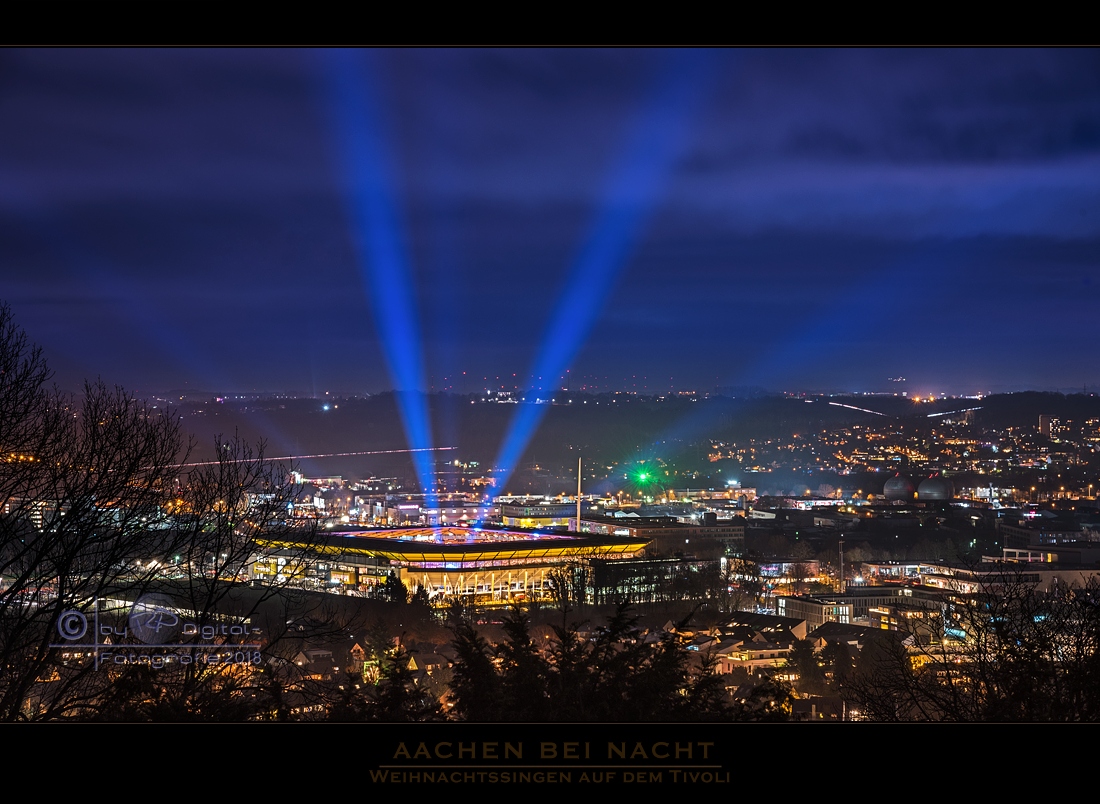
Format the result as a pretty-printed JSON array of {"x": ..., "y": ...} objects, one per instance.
[
  {"x": 366, "y": 157},
  {"x": 870, "y": 301},
  {"x": 655, "y": 141}
]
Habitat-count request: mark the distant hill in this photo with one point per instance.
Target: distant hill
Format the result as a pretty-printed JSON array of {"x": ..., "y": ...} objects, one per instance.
[{"x": 602, "y": 428}]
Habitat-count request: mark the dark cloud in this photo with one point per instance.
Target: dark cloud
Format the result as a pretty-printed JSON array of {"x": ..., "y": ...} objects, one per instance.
[{"x": 838, "y": 216}]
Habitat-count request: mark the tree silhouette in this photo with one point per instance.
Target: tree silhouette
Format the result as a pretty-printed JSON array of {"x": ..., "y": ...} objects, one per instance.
[
  {"x": 99, "y": 506},
  {"x": 616, "y": 675},
  {"x": 395, "y": 697},
  {"x": 805, "y": 662},
  {"x": 1010, "y": 652},
  {"x": 394, "y": 589}
]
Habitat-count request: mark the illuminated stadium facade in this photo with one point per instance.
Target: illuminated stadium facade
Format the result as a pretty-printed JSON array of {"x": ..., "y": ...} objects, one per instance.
[{"x": 490, "y": 565}]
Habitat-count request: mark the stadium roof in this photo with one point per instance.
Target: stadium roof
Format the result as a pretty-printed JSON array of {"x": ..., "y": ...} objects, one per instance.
[{"x": 455, "y": 544}]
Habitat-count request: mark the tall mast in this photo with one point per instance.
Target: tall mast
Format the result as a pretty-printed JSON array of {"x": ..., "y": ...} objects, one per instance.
[
  {"x": 578, "y": 495},
  {"x": 843, "y": 588}
]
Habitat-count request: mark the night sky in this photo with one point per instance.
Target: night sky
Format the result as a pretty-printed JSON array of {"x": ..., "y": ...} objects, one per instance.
[{"x": 790, "y": 219}]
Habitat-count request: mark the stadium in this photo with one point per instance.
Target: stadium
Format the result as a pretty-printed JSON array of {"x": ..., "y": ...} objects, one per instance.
[{"x": 488, "y": 565}]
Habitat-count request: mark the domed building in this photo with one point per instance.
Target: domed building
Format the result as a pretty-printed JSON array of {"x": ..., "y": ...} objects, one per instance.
[
  {"x": 936, "y": 489},
  {"x": 899, "y": 487}
]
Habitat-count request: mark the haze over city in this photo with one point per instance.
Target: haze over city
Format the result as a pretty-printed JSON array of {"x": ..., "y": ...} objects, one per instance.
[{"x": 646, "y": 220}]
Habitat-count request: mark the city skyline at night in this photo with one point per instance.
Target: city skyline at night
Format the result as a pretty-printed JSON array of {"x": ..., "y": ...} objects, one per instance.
[{"x": 502, "y": 386}]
